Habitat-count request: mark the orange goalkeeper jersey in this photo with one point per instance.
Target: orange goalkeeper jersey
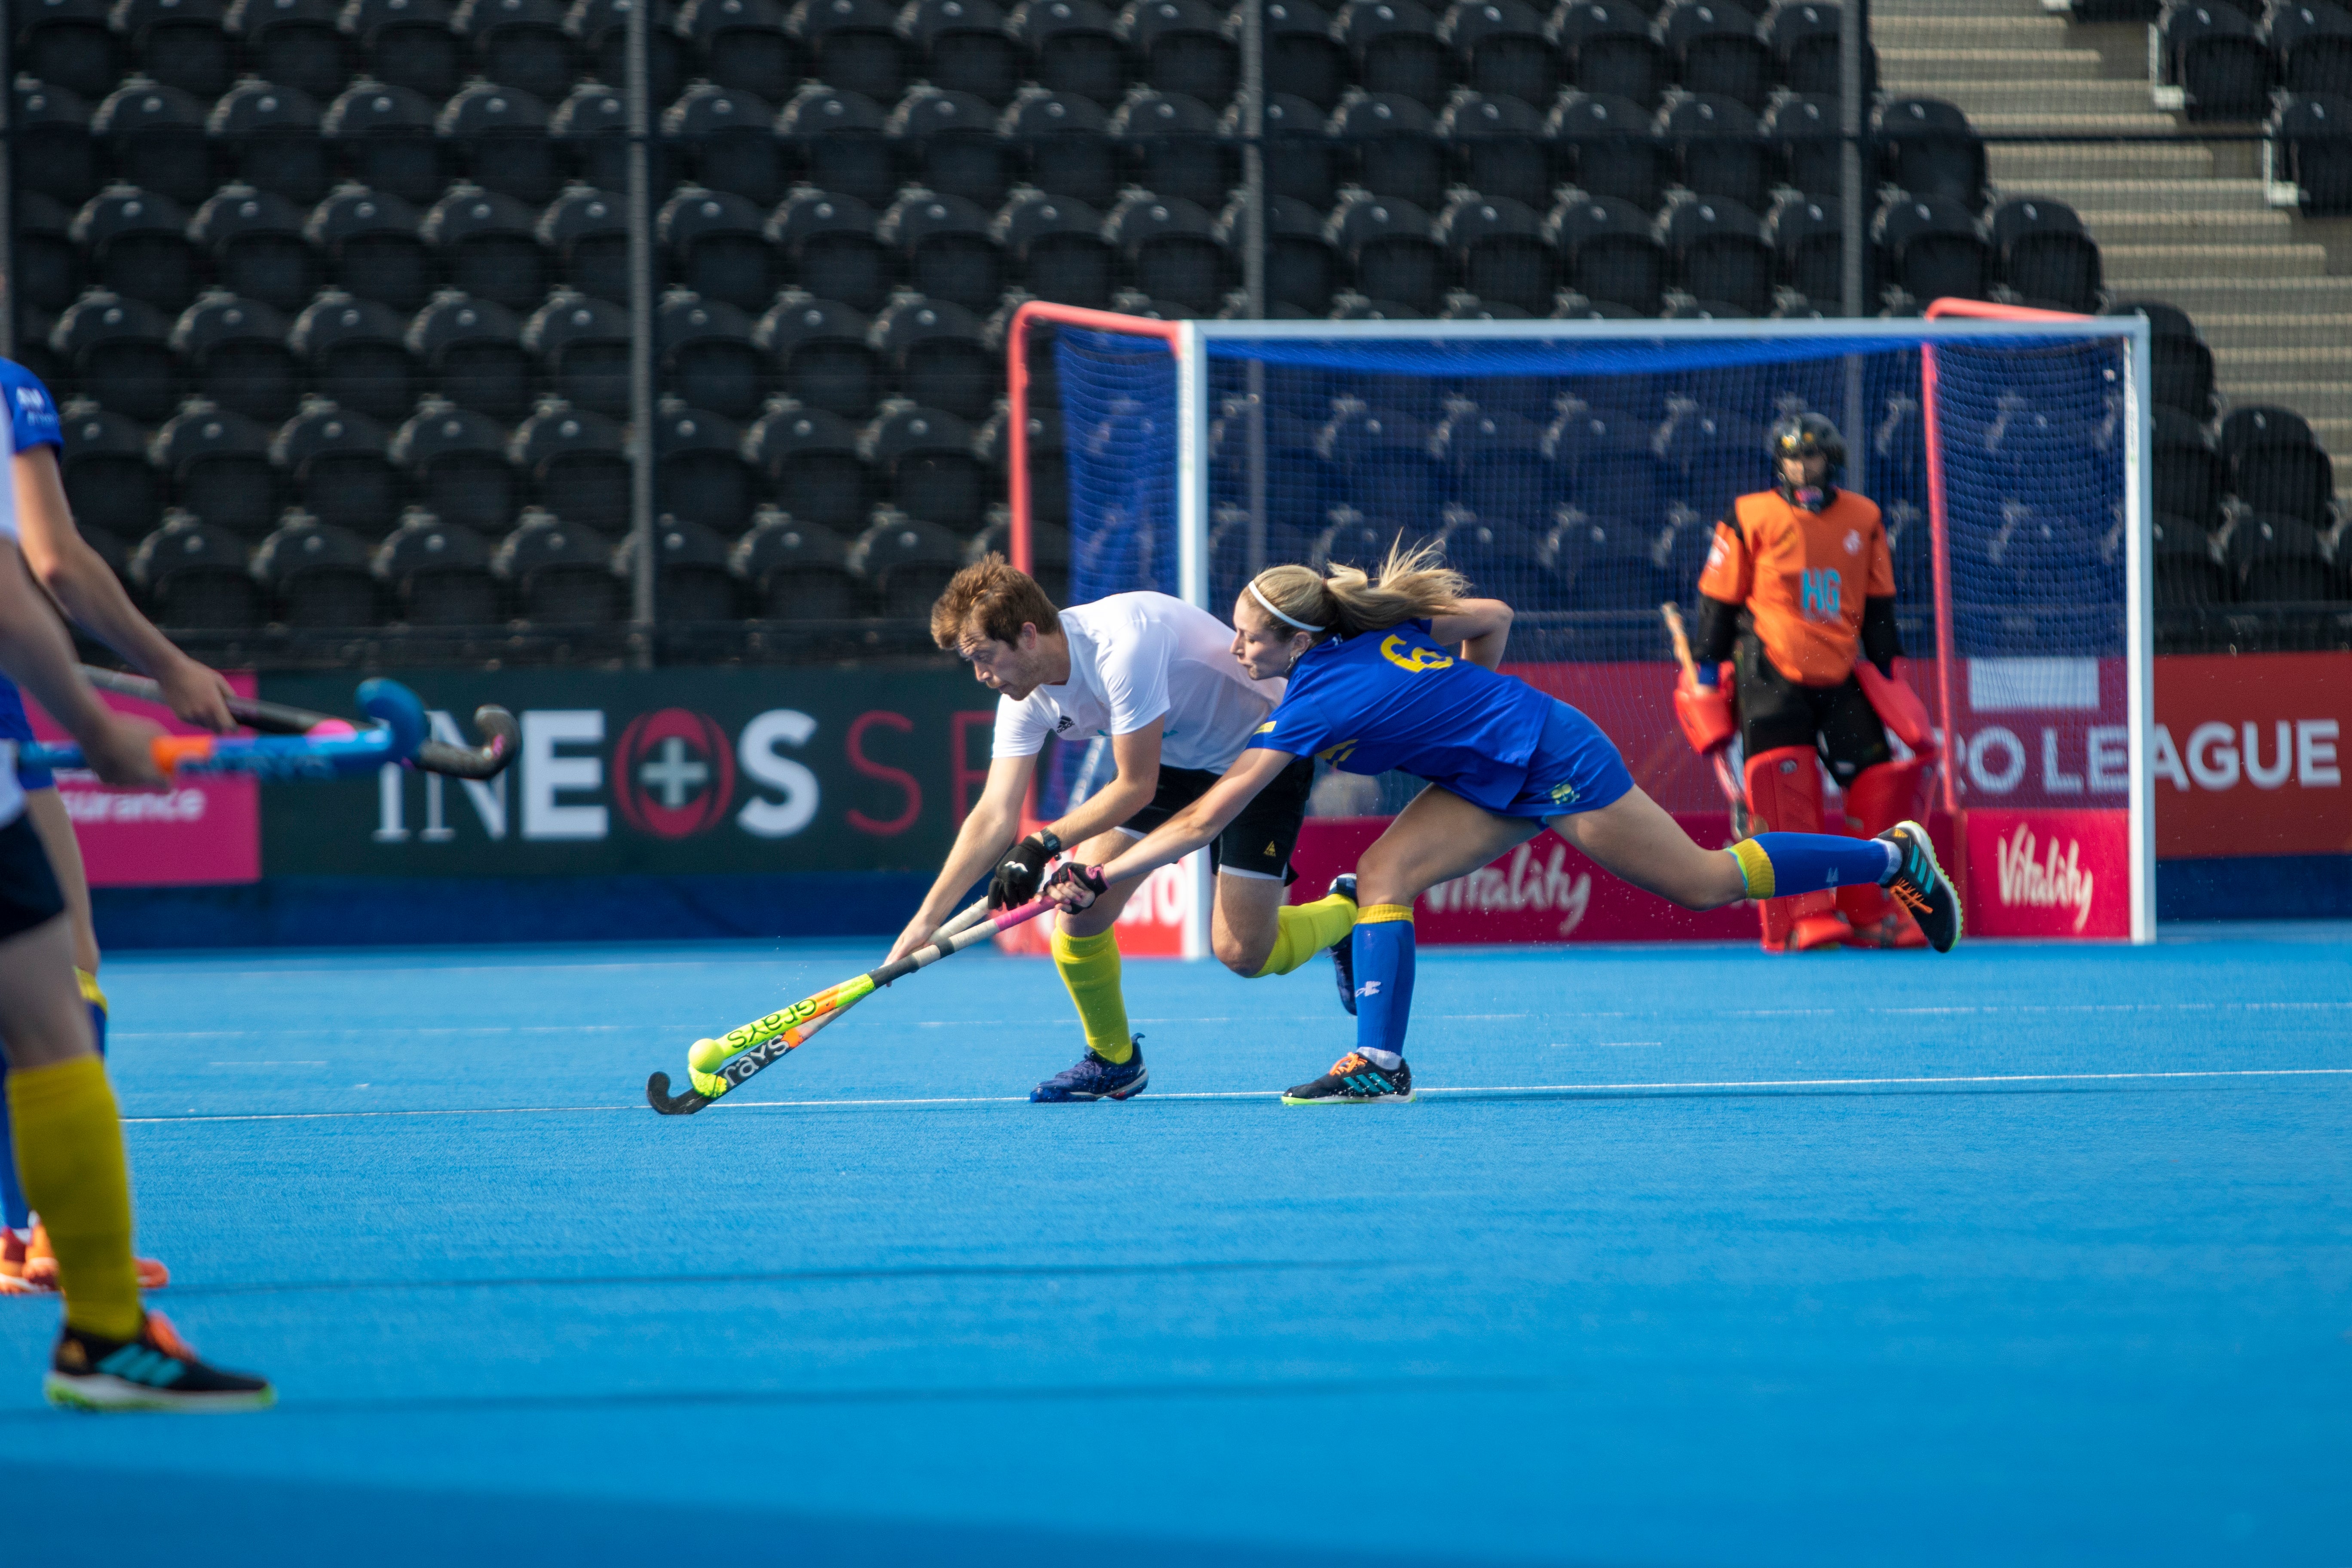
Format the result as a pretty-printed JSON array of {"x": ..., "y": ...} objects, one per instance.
[{"x": 1802, "y": 577}]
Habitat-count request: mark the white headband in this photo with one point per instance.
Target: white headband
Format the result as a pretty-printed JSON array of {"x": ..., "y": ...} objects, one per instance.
[{"x": 1277, "y": 615}]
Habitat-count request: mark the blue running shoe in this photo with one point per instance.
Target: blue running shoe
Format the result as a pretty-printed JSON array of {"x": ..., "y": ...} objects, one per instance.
[
  {"x": 1343, "y": 952},
  {"x": 1096, "y": 1078},
  {"x": 1922, "y": 888}
]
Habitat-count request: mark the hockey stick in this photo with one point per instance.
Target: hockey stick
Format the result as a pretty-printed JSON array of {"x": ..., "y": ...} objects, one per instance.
[
  {"x": 764, "y": 1041},
  {"x": 394, "y": 739},
  {"x": 1736, "y": 796},
  {"x": 485, "y": 761}
]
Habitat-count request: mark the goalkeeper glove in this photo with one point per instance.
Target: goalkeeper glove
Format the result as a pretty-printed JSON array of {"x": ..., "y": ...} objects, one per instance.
[{"x": 1018, "y": 874}]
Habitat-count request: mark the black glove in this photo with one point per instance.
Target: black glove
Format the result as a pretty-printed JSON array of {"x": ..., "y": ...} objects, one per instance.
[
  {"x": 1022, "y": 868},
  {"x": 1074, "y": 887}
]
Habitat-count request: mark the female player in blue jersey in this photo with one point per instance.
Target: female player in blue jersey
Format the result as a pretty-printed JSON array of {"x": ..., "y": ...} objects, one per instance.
[{"x": 1398, "y": 672}]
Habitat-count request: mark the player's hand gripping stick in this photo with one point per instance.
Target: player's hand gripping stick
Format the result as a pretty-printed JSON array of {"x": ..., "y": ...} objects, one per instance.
[
  {"x": 485, "y": 761},
  {"x": 718, "y": 1067},
  {"x": 1076, "y": 886},
  {"x": 398, "y": 733}
]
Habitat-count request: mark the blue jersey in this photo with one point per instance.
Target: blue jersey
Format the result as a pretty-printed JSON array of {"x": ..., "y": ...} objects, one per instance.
[
  {"x": 1396, "y": 700},
  {"x": 32, "y": 422}
]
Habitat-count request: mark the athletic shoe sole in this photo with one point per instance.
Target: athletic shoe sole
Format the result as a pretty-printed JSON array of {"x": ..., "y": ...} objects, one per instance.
[
  {"x": 1405, "y": 1098},
  {"x": 105, "y": 1393},
  {"x": 1129, "y": 1092}
]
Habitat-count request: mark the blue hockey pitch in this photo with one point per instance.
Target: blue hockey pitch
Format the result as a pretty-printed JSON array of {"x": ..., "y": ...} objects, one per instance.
[{"x": 2030, "y": 1254}]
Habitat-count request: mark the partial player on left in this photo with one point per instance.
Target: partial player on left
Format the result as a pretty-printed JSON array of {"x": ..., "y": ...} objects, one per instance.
[{"x": 73, "y": 575}]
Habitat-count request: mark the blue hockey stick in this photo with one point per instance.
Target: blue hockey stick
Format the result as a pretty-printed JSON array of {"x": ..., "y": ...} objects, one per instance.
[{"x": 399, "y": 731}]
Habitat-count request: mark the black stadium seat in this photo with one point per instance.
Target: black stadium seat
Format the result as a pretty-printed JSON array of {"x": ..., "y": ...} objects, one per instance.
[
  {"x": 487, "y": 244},
  {"x": 708, "y": 358},
  {"x": 69, "y": 44},
  {"x": 1302, "y": 160},
  {"x": 1610, "y": 148},
  {"x": 2041, "y": 250},
  {"x": 1718, "y": 251},
  {"x": 943, "y": 248},
  {"x": 2214, "y": 53},
  {"x": 1804, "y": 38},
  {"x": 458, "y": 467},
  {"x": 1302, "y": 59},
  {"x": 936, "y": 355},
  {"x": 235, "y": 352},
  {"x": 217, "y": 465},
  {"x": 1056, "y": 247},
  {"x": 138, "y": 246},
  {"x": 829, "y": 242},
  {"x": 1803, "y": 132},
  {"x": 741, "y": 44},
  {"x": 48, "y": 272},
  {"x": 2314, "y": 132},
  {"x": 183, "y": 43},
  {"x": 2180, "y": 366},
  {"x": 2312, "y": 42},
  {"x": 54, "y": 155},
  {"x": 2189, "y": 479},
  {"x": 2260, "y": 428},
  {"x": 716, "y": 246},
  {"x": 336, "y": 465},
  {"x": 2272, "y": 465},
  {"x": 1500, "y": 146},
  {"x": 585, "y": 233},
  {"x": 1933, "y": 248},
  {"x": 1063, "y": 143},
  {"x": 472, "y": 350},
  {"x": 1807, "y": 236},
  {"x": 1169, "y": 144},
  {"x": 1501, "y": 50},
  {"x": 1497, "y": 462},
  {"x": 496, "y": 137},
  {"x": 1396, "y": 47},
  {"x": 853, "y": 44},
  {"x": 1717, "y": 49},
  {"x": 1302, "y": 270},
  {"x": 590, "y": 129},
  {"x": 1500, "y": 252},
  {"x": 2279, "y": 560},
  {"x": 1609, "y": 252},
  {"x": 1171, "y": 250},
  {"x": 1391, "y": 250},
  {"x": 839, "y": 139},
  {"x": 599, "y": 32},
  {"x": 295, "y": 44},
  {"x": 153, "y": 137},
  {"x": 108, "y": 481},
  {"x": 1609, "y": 49},
  {"x": 408, "y": 44},
  {"x": 1180, "y": 47},
  {"x": 575, "y": 464},
  {"x": 948, "y": 142},
  {"x": 818, "y": 349},
  {"x": 316, "y": 575},
  {"x": 583, "y": 345},
  {"x": 1930, "y": 150},
  {"x": 811, "y": 457},
  {"x": 924, "y": 462},
  {"x": 905, "y": 564},
  {"x": 519, "y": 43},
  {"x": 964, "y": 46},
  {"x": 269, "y": 137},
  {"x": 437, "y": 573},
  {"x": 2186, "y": 572},
  {"x": 700, "y": 472},
  {"x": 357, "y": 353},
  {"x": 1393, "y": 147},
  {"x": 558, "y": 571},
  {"x": 794, "y": 569},
  {"x": 373, "y": 246},
  {"x": 727, "y": 137},
  {"x": 118, "y": 350},
  {"x": 692, "y": 581},
  {"x": 1719, "y": 148},
  {"x": 384, "y": 136},
  {"x": 194, "y": 577},
  {"x": 1073, "y": 48}
]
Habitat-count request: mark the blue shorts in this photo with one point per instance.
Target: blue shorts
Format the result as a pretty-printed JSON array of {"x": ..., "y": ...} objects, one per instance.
[
  {"x": 14, "y": 726},
  {"x": 1575, "y": 768}
]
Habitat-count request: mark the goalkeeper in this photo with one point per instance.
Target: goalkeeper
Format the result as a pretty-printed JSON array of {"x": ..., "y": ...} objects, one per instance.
[
  {"x": 1797, "y": 595},
  {"x": 1158, "y": 678}
]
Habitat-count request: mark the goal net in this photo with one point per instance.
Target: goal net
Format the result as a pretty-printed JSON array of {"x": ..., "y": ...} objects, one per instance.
[{"x": 1577, "y": 471}]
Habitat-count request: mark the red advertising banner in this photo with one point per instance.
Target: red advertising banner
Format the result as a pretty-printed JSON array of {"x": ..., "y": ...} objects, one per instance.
[
  {"x": 2048, "y": 873},
  {"x": 200, "y": 830},
  {"x": 2248, "y": 754}
]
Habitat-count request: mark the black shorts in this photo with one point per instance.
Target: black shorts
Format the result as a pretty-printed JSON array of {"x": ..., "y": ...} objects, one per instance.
[
  {"x": 28, "y": 888},
  {"x": 1776, "y": 711},
  {"x": 1258, "y": 842}
]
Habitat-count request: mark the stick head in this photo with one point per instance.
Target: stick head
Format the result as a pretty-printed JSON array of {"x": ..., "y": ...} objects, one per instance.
[{"x": 400, "y": 712}]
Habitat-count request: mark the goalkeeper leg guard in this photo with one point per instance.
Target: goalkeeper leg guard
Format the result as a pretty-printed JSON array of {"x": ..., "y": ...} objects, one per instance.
[
  {"x": 1879, "y": 797},
  {"x": 1784, "y": 795},
  {"x": 1306, "y": 930},
  {"x": 1089, "y": 969},
  {"x": 69, "y": 1154}
]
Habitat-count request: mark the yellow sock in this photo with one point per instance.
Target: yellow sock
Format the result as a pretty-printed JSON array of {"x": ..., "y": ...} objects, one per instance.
[
  {"x": 1089, "y": 966},
  {"x": 1306, "y": 930},
  {"x": 70, "y": 1155}
]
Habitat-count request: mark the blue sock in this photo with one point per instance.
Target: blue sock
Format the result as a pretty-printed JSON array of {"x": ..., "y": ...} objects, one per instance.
[
  {"x": 1778, "y": 865},
  {"x": 1382, "y": 944}
]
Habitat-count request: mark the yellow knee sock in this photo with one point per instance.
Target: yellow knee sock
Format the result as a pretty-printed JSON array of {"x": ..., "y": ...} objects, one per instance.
[
  {"x": 1306, "y": 930},
  {"x": 69, "y": 1154},
  {"x": 1089, "y": 966}
]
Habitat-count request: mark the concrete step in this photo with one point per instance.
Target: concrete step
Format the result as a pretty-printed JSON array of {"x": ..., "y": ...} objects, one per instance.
[
  {"x": 2232, "y": 328},
  {"x": 2188, "y": 229},
  {"x": 1950, "y": 32},
  {"x": 2041, "y": 164},
  {"x": 2060, "y": 120},
  {"x": 2312, "y": 399},
  {"x": 1991, "y": 105},
  {"x": 2274, "y": 297},
  {"x": 1920, "y": 69},
  {"x": 2133, "y": 262},
  {"x": 2334, "y": 437},
  {"x": 2093, "y": 197},
  {"x": 2274, "y": 362},
  {"x": 1941, "y": 8}
]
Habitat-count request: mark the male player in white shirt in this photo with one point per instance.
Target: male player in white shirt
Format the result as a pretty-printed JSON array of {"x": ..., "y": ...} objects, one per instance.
[{"x": 1158, "y": 678}]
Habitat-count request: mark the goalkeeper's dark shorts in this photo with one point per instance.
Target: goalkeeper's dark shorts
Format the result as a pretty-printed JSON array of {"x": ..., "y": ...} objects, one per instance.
[
  {"x": 28, "y": 888},
  {"x": 1776, "y": 711},
  {"x": 1258, "y": 842}
]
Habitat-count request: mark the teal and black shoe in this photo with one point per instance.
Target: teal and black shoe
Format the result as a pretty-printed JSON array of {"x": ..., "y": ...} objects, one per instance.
[
  {"x": 1356, "y": 1080},
  {"x": 1920, "y": 886}
]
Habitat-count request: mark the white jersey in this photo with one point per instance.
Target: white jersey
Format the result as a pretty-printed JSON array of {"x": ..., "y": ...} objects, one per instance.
[{"x": 1135, "y": 657}]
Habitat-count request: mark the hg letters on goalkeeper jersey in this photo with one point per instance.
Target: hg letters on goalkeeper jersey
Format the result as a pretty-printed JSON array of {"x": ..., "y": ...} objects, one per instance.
[{"x": 1802, "y": 577}]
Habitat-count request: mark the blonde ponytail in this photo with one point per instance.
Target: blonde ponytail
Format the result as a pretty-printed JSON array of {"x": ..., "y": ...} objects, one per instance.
[{"x": 1413, "y": 585}]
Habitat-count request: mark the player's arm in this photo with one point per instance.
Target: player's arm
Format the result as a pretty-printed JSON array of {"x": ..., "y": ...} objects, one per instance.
[
  {"x": 1882, "y": 639},
  {"x": 85, "y": 587},
  {"x": 988, "y": 830},
  {"x": 35, "y": 653},
  {"x": 1481, "y": 627},
  {"x": 1723, "y": 587},
  {"x": 1181, "y": 834},
  {"x": 1137, "y": 757}
]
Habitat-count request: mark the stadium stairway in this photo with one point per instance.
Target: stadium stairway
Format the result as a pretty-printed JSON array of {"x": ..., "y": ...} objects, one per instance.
[{"x": 2185, "y": 223}]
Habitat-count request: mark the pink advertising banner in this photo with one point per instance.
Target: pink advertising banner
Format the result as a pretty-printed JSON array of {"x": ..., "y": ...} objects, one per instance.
[{"x": 204, "y": 830}]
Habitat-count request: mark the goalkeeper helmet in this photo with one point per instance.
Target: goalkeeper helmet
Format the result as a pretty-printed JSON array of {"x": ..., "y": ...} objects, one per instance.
[{"x": 1801, "y": 436}]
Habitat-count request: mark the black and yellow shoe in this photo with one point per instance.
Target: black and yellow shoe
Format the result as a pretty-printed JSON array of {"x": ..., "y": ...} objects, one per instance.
[
  {"x": 157, "y": 1370},
  {"x": 1920, "y": 886},
  {"x": 1355, "y": 1080}
]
